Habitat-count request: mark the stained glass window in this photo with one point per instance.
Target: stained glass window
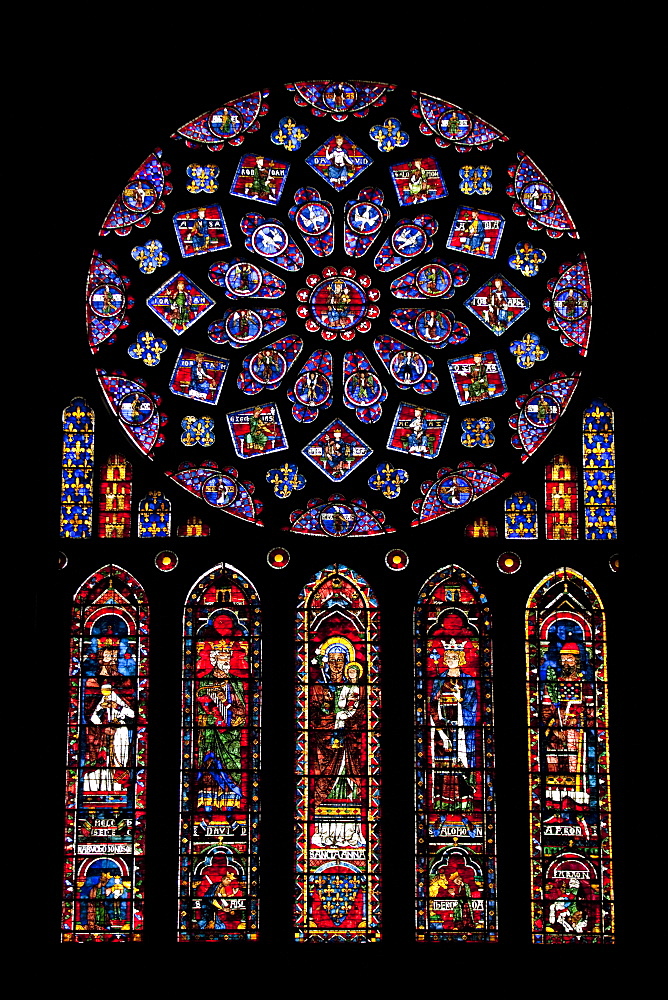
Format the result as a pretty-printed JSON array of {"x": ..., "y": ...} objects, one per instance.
[
  {"x": 154, "y": 517},
  {"x": 454, "y": 761},
  {"x": 567, "y": 692},
  {"x": 106, "y": 758},
  {"x": 598, "y": 463},
  {"x": 317, "y": 315},
  {"x": 337, "y": 763},
  {"x": 115, "y": 498},
  {"x": 561, "y": 499},
  {"x": 220, "y": 803},
  {"x": 76, "y": 500},
  {"x": 521, "y": 516}
]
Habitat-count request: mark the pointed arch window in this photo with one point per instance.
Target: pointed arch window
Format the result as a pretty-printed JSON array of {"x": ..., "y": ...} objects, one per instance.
[
  {"x": 571, "y": 871},
  {"x": 337, "y": 759},
  {"x": 106, "y": 756},
  {"x": 454, "y": 761},
  {"x": 220, "y": 806}
]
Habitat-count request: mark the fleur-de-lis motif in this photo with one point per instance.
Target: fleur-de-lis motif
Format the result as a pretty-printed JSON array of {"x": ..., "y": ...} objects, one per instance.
[
  {"x": 150, "y": 257},
  {"x": 285, "y": 480},
  {"x": 388, "y": 480},
  {"x": 389, "y": 135},
  {"x": 147, "y": 348},
  {"x": 198, "y": 430},
  {"x": 289, "y": 134}
]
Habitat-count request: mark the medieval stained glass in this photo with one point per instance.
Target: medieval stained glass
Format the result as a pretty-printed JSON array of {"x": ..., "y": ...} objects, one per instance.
[
  {"x": 337, "y": 760},
  {"x": 76, "y": 497},
  {"x": 220, "y": 806},
  {"x": 492, "y": 278},
  {"x": 598, "y": 471},
  {"x": 561, "y": 499},
  {"x": 106, "y": 758},
  {"x": 454, "y": 761},
  {"x": 154, "y": 517},
  {"x": 521, "y": 516},
  {"x": 115, "y": 502},
  {"x": 571, "y": 869},
  {"x": 374, "y": 203}
]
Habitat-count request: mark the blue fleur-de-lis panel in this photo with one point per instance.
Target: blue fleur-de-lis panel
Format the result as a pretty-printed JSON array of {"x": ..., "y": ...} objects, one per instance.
[
  {"x": 389, "y": 135},
  {"x": 339, "y": 161},
  {"x": 477, "y": 377},
  {"x": 135, "y": 408},
  {"x": 417, "y": 181},
  {"x": 527, "y": 259},
  {"x": 285, "y": 480},
  {"x": 338, "y": 517},
  {"x": 338, "y": 892},
  {"x": 417, "y": 430},
  {"x": 388, "y": 480},
  {"x": 198, "y": 430},
  {"x": 289, "y": 134},
  {"x": 314, "y": 218},
  {"x": 363, "y": 391},
  {"x": 240, "y": 279},
  {"x": 408, "y": 368},
  {"x": 434, "y": 280},
  {"x": 337, "y": 450},
  {"x": 338, "y": 99},
  {"x": 451, "y": 125},
  {"x": 147, "y": 348},
  {"x": 260, "y": 178},
  {"x": 203, "y": 178},
  {"x": 363, "y": 219},
  {"x": 528, "y": 350},
  {"x": 436, "y": 327},
  {"x": 598, "y": 471},
  {"x": 537, "y": 200},
  {"x": 228, "y": 123},
  {"x": 477, "y": 431},
  {"x": 150, "y": 257},
  {"x": 154, "y": 516},
  {"x": 140, "y": 198},
  {"x": 267, "y": 367},
  {"x": 220, "y": 488},
  {"x": 497, "y": 304},
  {"x": 201, "y": 230},
  {"x": 242, "y": 326},
  {"x": 410, "y": 238},
  {"x": 76, "y": 510},
  {"x": 569, "y": 304},
  {"x": 455, "y": 488},
  {"x": 521, "y": 516},
  {"x": 476, "y": 180},
  {"x": 270, "y": 239},
  {"x": 107, "y": 301},
  {"x": 312, "y": 391},
  {"x": 540, "y": 409},
  {"x": 179, "y": 303},
  {"x": 476, "y": 232},
  {"x": 198, "y": 376},
  {"x": 257, "y": 430}
]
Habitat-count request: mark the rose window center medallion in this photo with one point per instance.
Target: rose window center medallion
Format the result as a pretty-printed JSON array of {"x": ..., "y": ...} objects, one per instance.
[{"x": 340, "y": 303}]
